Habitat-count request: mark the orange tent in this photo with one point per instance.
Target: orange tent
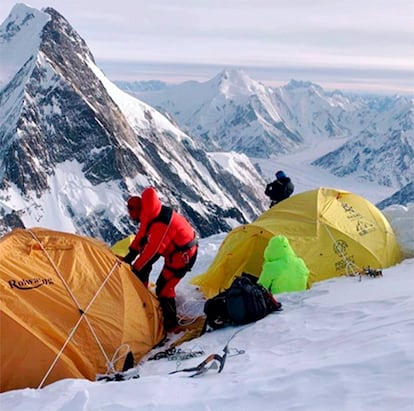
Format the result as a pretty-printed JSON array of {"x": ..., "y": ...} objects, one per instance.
[{"x": 69, "y": 309}]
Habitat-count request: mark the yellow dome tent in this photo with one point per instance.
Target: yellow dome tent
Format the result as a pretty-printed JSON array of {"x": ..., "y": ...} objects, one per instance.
[
  {"x": 69, "y": 309},
  {"x": 335, "y": 232},
  {"x": 121, "y": 247}
]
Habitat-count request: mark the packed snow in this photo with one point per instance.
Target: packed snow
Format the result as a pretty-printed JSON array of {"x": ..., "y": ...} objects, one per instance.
[{"x": 345, "y": 344}]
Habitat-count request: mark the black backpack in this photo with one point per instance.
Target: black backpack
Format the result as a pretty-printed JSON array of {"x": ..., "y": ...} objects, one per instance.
[{"x": 243, "y": 302}]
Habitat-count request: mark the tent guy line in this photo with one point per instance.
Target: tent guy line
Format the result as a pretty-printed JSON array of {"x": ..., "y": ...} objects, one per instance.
[{"x": 50, "y": 319}]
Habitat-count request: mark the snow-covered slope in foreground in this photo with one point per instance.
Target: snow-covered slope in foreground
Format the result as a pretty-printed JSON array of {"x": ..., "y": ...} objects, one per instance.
[{"x": 344, "y": 345}]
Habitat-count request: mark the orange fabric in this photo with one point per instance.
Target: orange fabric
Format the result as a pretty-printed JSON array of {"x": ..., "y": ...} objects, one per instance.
[{"x": 37, "y": 312}]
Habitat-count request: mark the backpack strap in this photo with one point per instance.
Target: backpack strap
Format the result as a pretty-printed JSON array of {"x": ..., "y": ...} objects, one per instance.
[{"x": 164, "y": 217}]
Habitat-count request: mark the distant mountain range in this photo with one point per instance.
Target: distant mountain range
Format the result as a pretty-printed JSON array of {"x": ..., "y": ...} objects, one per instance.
[
  {"x": 234, "y": 112},
  {"x": 74, "y": 146}
]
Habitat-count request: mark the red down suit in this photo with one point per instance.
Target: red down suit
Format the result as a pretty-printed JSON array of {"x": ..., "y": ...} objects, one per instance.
[{"x": 163, "y": 232}]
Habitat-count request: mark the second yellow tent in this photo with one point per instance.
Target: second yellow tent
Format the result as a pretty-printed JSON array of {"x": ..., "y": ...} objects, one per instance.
[{"x": 335, "y": 232}]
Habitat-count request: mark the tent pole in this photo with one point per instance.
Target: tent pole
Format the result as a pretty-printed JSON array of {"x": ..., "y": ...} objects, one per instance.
[{"x": 82, "y": 312}]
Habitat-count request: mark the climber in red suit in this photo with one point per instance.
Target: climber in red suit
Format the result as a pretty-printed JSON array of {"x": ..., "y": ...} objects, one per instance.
[{"x": 162, "y": 232}]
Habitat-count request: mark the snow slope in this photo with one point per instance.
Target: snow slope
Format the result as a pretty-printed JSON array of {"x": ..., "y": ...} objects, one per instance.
[{"x": 344, "y": 345}]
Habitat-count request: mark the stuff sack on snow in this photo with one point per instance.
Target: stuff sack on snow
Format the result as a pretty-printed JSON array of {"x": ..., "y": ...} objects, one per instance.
[{"x": 242, "y": 303}]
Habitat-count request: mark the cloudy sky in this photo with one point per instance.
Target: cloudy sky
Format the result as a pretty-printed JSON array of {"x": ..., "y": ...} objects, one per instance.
[{"x": 348, "y": 44}]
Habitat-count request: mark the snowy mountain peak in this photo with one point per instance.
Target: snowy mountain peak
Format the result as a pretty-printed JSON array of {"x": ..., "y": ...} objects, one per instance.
[
  {"x": 230, "y": 112},
  {"x": 234, "y": 82},
  {"x": 20, "y": 38},
  {"x": 236, "y": 113},
  {"x": 299, "y": 84},
  {"x": 59, "y": 31},
  {"x": 73, "y": 146}
]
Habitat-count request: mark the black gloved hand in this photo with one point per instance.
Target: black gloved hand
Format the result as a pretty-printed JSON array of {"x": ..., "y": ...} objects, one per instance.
[
  {"x": 131, "y": 256},
  {"x": 161, "y": 282}
]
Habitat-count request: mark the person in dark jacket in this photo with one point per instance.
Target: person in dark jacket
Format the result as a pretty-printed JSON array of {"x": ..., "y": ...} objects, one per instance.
[
  {"x": 162, "y": 233},
  {"x": 279, "y": 189}
]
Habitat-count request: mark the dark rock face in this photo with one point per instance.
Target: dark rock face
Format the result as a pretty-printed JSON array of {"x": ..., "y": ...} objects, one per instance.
[
  {"x": 401, "y": 197},
  {"x": 62, "y": 115},
  {"x": 10, "y": 221}
]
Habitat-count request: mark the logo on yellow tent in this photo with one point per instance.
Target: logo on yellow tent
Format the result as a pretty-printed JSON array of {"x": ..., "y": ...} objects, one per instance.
[
  {"x": 364, "y": 227},
  {"x": 340, "y": 247},
  {"x": 30, "y": 283},
  {"x": 350, "y": 211}
]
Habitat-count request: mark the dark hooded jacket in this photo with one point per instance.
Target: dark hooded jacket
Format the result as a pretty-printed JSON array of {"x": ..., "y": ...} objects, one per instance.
[{"x": 279, "y": 189}]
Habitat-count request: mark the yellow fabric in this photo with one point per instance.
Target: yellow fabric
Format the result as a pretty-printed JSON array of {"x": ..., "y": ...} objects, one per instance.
[
  {"x": 335, "y": 232},
  {"x": 193, "y": 330},
  {"x": 121, "y": 247},
  {"x": 37, "y": 312}
]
